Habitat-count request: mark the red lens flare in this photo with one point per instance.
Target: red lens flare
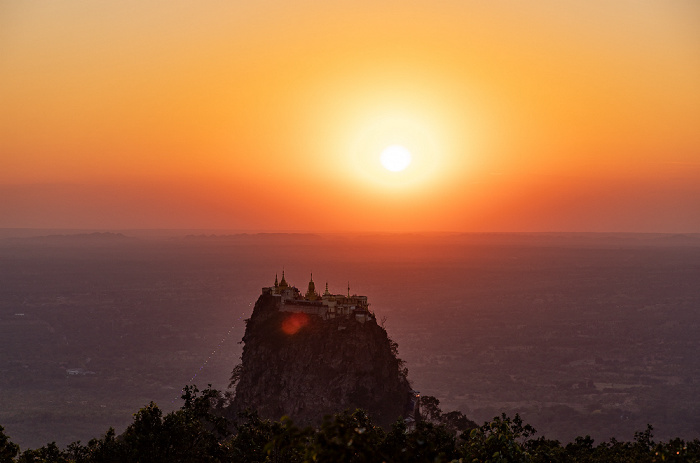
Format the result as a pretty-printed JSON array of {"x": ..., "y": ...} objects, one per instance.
[{"x": 294, "y": 322}]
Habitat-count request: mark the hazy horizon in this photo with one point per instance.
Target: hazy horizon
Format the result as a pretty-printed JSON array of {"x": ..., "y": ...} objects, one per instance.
[{"x": 9, "y": 232}]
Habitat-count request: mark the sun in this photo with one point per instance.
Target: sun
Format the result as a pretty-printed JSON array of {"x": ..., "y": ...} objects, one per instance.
[
  {"x": 395, "y": 158},
  {"x": 396, "y": 151}
]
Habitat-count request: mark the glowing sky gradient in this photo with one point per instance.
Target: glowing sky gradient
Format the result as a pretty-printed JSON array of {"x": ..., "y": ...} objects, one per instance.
[{"x": 271, "y": 116}]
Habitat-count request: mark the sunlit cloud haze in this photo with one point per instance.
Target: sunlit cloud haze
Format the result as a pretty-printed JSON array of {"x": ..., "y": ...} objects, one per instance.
[{"x": 271, "y": 116}]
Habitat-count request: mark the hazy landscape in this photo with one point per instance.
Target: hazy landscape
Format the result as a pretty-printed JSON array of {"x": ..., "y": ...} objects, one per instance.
[{"x": 579, "y": 333}]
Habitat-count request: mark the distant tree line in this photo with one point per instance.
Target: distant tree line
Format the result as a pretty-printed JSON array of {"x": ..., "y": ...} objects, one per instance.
[{"x": 198, "y": 432}]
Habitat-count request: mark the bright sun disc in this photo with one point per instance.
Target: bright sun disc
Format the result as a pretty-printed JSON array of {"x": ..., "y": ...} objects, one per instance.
[{"x": 395, "y": 158}]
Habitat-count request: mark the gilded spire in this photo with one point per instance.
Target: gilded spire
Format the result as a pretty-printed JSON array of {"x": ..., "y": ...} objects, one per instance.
[
  {"x": 311, "y": 292},
  {"x": 283, "y": 283}
]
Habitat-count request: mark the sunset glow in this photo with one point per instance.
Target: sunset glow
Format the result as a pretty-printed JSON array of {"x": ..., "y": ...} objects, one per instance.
[{"x": 518, "y": 116}]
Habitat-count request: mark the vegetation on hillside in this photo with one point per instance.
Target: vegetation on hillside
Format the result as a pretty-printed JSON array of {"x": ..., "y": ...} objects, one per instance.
[{"x": 197, "y": 432}]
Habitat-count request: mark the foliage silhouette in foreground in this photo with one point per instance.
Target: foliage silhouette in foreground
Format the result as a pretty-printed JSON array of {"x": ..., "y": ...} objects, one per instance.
[{"x": 198, "y": 432}]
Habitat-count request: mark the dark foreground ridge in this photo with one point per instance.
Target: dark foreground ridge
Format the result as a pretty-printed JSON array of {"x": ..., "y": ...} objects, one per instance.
[
  {"x": 197, "y": 433},
  {"x": 314, "y": 355}
]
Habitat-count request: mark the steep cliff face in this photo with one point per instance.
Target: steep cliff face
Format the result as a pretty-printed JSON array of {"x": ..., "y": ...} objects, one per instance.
[{"x": 306, "y": 367}]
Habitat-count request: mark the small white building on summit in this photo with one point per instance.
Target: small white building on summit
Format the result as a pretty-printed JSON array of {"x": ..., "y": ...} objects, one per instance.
[{"x": 326, "y": 305}]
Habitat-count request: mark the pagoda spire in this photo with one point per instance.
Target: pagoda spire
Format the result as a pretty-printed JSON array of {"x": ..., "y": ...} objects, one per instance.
[
  {"x": 283, "y": 283},
  {"x": 311, "y": 294}
]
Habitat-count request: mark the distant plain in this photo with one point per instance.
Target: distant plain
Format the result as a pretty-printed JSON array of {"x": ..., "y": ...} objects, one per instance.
[{"x": 579, "y": 333}]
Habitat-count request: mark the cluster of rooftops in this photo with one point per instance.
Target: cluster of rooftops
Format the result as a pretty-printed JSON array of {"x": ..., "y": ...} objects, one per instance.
[{"x": 326, "y": 305}]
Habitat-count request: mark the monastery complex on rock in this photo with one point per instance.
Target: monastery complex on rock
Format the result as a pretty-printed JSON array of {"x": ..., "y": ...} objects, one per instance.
[{"x": 326, "y": 305}]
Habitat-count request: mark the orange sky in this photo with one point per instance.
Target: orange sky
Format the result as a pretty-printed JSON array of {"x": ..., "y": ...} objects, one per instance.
[{"x": 270, "y": 116}]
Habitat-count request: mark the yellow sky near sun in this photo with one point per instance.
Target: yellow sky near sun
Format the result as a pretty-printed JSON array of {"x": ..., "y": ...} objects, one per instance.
[{"x": 219, "y": 114}]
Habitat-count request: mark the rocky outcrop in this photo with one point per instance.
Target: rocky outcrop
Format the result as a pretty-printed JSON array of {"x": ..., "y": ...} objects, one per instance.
[{"x": 305, "y": 367}]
